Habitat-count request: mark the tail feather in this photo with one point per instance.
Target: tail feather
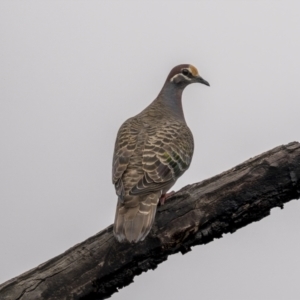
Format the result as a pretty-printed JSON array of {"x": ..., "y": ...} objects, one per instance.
[{"x": 134, "y": 223}]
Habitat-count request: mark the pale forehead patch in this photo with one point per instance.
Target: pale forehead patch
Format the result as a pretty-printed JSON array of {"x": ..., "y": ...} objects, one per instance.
[{"x": 193, "y": 70}]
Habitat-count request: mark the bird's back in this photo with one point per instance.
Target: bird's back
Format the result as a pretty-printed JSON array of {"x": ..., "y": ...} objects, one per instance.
[{"x": 151, "y": 152}]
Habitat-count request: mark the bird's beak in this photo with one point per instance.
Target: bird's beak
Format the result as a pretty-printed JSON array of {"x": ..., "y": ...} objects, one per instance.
[{"x": 201, "y": 80}]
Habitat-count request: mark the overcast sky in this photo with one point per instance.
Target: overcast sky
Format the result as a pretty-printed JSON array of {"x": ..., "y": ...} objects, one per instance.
[{"x": 72, "y": 71}]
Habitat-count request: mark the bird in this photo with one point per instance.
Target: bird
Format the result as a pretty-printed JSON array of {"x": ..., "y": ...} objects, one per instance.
[{"x": 152, "y": 150}]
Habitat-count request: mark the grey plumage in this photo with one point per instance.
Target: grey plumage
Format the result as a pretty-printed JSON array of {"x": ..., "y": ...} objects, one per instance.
[{"x": 152, "y": 150}]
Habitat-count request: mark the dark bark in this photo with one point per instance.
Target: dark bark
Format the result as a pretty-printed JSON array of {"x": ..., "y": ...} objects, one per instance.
[{"x": 198, "y": 213}]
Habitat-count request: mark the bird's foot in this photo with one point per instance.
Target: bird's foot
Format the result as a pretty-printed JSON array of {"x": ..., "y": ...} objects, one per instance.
[{"x": 164, "y": 197}]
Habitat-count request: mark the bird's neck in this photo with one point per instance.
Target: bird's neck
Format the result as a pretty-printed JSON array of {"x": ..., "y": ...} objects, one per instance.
[{"x": 170, "y": 98}]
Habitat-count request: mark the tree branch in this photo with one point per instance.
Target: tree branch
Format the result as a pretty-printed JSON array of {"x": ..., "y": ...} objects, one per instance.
[{"x": 198, "y": 213}]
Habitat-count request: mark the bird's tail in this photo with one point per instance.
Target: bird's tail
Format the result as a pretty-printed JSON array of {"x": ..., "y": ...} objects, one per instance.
[{"x": 135, "y": 217}]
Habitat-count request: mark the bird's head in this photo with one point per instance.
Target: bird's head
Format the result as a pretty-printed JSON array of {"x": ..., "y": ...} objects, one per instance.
[{"x": 185, "y": 74}]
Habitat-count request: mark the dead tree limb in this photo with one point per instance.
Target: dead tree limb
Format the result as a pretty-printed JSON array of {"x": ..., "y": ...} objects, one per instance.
[{"x": 198, "y": 213}]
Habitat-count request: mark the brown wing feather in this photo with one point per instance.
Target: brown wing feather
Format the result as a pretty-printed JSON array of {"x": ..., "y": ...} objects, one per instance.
[
  {"x": 125, "y": 147},
  {"x": 166, "y": 156},
  {"x": 147, "y": 160}
]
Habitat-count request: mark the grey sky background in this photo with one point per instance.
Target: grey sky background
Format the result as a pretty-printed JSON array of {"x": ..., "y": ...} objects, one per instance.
[{"x": 73, "y": 71}]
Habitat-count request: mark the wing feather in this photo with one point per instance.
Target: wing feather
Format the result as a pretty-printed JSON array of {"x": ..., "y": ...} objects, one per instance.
[
  {"x": 125, "y": 147},
  {"x": 167, "y": 155}
]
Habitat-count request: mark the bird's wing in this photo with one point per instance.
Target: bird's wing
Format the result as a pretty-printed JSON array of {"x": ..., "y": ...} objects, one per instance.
[
  {"x": 125, "y": 146},
  {"x": 167, "y": 155}
]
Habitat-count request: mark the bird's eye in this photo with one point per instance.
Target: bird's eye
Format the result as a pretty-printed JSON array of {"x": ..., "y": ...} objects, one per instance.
[{"x": 185, "y": 72}]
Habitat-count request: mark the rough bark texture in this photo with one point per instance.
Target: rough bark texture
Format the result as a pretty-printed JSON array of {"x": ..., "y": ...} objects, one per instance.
[{"x": 99, "y": 266}]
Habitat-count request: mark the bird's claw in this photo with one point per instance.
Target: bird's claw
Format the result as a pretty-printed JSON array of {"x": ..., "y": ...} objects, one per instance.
[{"x": 164, "y": 197}]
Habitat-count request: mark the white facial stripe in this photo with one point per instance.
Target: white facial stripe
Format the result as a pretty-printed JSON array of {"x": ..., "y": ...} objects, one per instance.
[{"x": 180, "y": 74}]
